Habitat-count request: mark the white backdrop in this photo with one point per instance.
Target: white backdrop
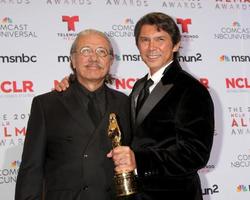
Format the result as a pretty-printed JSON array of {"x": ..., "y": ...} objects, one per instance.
[{"x": 35, "y": 38}]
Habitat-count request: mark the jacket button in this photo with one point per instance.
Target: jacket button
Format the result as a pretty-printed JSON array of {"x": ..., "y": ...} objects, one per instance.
[{"x": 85, "y": 155}]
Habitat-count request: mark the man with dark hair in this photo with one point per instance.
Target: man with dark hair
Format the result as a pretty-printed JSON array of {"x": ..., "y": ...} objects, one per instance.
[
  {"x": 64, "y": 155},
  {"x": 172, "y": 115}
]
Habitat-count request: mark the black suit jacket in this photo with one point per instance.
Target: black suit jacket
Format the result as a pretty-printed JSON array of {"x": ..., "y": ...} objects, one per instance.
[
  {"x": 173, "y": 135},
  {"x": 64, "y": 153}
]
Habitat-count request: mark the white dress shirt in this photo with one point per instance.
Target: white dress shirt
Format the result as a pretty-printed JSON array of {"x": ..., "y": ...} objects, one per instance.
[{"x": 156, "y": 77}]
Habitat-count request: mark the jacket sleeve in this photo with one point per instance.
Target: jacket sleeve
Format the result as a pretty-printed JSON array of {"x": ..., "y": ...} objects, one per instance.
[{"x": 30, "y": 176}]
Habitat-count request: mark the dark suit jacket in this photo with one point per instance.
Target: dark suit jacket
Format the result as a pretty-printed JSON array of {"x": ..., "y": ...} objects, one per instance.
[
  {"x": 65, "y": 152},
  {"x": 173, "y": 135}
]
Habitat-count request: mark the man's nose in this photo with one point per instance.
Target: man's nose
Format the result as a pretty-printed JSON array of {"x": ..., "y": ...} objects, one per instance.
[
  {"x": 93, "y": 55},
  {"x": 151, "y": 45}
]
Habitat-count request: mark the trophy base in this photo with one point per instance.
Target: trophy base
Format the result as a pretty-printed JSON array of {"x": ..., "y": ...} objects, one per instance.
[{"x": 125, "y": 183}]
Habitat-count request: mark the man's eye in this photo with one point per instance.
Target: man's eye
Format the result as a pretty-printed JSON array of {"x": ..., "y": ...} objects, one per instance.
[
  {"x": 85, "y": 50},
  {"x": 160, "y": 39},
  {"x": 101, "y": 51},
  {"x": 144, "y": 39}
]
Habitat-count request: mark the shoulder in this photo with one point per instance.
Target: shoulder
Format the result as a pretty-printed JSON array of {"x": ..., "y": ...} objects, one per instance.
[
  {"x": 117, "y": 98},
  {"x": 192, "y": 86},
  {"x": 116, "y": 93},
  {"x": 46, "y": 96},
  {"x": 48, "y": 99},
  {"x": 188, "y": 78}
]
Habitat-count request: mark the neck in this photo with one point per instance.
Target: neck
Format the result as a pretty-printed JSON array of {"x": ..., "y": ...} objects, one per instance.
[
  {"x": 152, "y": 71},
  {"x": 91, "y": 85}
]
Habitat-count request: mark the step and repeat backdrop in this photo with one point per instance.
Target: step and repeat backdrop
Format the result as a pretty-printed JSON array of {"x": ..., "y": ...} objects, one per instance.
[{"x": 35, "y": 39}]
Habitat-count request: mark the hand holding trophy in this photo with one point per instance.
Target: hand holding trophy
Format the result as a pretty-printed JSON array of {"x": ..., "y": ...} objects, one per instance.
[{"x": 125, "y": 182}]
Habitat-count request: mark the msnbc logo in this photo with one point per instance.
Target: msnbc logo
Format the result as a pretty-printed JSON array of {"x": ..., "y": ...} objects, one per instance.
[{"x": 234, "y": 58}]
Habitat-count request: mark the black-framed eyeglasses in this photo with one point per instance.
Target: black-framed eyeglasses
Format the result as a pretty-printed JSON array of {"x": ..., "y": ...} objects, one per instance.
[{"x": 87, "y": 51}]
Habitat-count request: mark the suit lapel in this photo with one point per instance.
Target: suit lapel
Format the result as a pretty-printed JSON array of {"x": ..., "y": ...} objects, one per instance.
[
  {"x": 135, "y": 93},
  {"x": 160, "y": 90},
  {"x": 155, "y": 96},
  {"x": 73, "y": 104}
]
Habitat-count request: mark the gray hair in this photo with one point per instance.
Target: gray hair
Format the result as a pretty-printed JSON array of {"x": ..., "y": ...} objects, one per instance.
[{"x": 88, "y": 32}]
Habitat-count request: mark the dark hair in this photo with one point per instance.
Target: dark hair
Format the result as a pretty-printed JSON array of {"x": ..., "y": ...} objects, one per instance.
[{"x": 162, "y": 22}]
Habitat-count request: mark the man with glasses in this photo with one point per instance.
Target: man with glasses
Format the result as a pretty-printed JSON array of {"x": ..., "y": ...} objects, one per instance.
[
  {"x": 172, "y": 118},
  {"x": 64, "y": 155}
]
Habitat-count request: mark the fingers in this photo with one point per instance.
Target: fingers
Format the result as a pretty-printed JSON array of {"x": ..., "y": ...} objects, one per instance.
[
  {"x": 109, "y": 155},
  {"x": 124, "y": 159},
  {"x": 58, "y": 88},
  {"x": 63, "y": 85}
]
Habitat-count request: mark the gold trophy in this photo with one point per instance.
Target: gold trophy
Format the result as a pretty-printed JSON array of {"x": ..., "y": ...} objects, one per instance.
[{"x": 125, "y": 182}]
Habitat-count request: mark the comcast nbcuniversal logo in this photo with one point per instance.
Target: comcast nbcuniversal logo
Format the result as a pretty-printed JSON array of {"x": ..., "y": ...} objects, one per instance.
[
  {"x": 9, "y": 28},
  {"x": 234, "y": 31}
]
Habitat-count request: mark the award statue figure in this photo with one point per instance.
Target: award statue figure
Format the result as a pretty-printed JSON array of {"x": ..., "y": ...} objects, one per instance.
[{"x": 125, "y": 182}]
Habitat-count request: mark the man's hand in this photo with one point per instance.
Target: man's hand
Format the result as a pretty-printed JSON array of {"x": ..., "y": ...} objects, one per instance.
[
  {"x": 63, "y": 85},
  {"x": 124, "y": 159}
]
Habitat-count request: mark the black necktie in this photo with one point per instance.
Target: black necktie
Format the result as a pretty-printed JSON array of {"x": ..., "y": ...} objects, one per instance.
[
  {"x": 93, "y": 109},
  {"x": 143, "y": 94}
]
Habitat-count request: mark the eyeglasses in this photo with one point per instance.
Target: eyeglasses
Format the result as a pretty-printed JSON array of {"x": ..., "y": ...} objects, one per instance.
[{"x": 87, "y": 51}]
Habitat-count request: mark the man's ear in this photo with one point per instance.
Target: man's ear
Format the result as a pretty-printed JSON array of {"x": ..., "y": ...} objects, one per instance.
[
  {"x": 72, "y": 63},
  {"x": 112, "y": 58},
  {"x": 177, "y": 47}
]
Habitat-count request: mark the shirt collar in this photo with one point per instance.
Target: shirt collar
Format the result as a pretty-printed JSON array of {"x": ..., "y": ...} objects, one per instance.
[
  {"x": 156, "y": 77},
  {"x": 98, "y": 92}
]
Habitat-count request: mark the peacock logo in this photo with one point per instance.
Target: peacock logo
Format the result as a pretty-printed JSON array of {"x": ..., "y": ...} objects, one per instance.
[
  {"x": 243, "y": 188},
  {"x": 128, "y": 21},
  {"x": 15, "y": 164},
  {"x": 236, "y": 24},
  {"x": 7, "y": 20},
  {"x": 224, "y": 58}
]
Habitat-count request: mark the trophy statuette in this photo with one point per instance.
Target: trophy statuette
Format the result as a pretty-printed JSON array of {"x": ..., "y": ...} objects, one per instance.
[{"x": 125, "y": 182}]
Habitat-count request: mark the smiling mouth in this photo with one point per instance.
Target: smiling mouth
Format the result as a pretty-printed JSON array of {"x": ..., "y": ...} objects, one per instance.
[{"x": 153, "y": 57}]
